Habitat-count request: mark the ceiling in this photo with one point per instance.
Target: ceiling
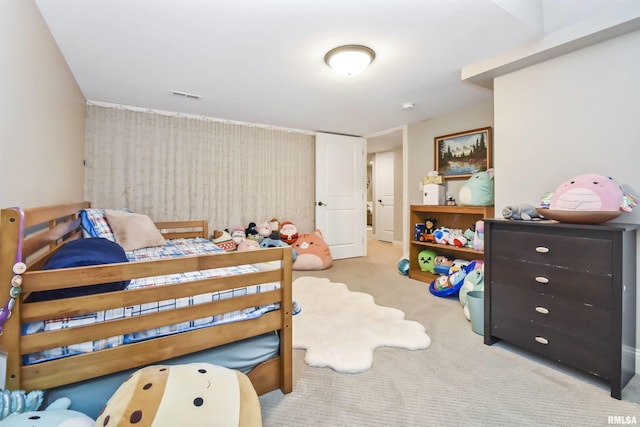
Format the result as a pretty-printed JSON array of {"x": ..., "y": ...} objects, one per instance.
[{"x": 261, "y": 61}]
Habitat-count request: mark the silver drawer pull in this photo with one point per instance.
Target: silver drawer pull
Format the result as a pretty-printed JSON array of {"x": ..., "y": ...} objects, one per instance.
[
  {"x": 542, "y": 249},
  {"x": 542, "y": 340},
  {"x": 542, "y": 310},
  {"x": 542, "y": 279}
]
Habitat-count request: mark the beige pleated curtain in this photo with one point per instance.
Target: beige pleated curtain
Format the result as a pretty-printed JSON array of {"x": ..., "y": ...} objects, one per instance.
[{"x": 173, "y": 167}]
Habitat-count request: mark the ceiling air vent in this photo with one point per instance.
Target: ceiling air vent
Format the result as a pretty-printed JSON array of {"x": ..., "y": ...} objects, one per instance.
[{"x": 186, "y": 95}]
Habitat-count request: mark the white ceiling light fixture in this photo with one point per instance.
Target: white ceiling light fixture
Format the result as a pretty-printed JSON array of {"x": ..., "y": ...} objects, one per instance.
[{"x": 349, "y": 60}]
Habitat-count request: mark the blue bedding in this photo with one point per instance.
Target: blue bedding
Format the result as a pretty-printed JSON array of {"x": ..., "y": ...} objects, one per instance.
[{"x": 78, "y": 253}]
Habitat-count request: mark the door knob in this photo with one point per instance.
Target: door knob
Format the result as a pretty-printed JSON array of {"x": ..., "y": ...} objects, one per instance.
[{"x": 322, "y": 204}]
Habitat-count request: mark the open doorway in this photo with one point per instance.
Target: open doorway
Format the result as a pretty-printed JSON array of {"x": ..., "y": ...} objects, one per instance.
[{"x": 384, "y": 185}]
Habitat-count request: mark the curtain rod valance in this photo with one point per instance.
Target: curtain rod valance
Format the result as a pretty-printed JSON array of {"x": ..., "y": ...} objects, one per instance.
[{"x": 193, "y": 116}]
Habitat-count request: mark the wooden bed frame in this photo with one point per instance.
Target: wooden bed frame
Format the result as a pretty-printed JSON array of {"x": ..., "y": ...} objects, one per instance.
[{"x": 39, "y": 232}]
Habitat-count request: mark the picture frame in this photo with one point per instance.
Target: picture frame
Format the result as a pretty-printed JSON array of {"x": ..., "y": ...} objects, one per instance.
[{"x": 460, "y": 155}]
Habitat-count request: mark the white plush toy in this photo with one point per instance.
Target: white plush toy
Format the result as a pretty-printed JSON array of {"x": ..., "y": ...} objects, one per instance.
[{"x": 56, "y": 414}]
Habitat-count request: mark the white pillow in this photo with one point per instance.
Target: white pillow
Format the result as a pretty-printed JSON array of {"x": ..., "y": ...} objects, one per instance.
[{"x": 133, "y": 231}]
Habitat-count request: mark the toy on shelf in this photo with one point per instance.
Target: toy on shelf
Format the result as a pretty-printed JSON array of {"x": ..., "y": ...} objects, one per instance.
[
  {"x": 424, "y": 231},
  {"x": 426, "y": 260},
  {"x": 478, "y": 190},
  {"x": 478, "y": 236},
  {"x": 441, "y": 234},
  {"x": 456, "y": 238}
]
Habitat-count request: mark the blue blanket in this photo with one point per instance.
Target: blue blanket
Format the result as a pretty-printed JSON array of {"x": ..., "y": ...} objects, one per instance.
[{"x": 78, "y": 253}]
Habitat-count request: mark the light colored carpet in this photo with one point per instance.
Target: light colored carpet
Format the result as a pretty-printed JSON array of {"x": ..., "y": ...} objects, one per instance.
[
  {"x": 457, "y": 381},
  {"x": 340, "y": 329}
]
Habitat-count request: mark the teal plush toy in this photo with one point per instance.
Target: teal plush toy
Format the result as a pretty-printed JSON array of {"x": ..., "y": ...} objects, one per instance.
[
  {"x": 478, "y": 190},
  {"x": 19, "y": 401},
  {"x": 473, "y": 281},
  {"x": 56, "y": 414},
  {"x": 427, "y": 260}
]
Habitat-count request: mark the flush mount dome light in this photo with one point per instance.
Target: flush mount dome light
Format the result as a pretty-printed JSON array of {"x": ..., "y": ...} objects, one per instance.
[{"x": 349, "y": 60}]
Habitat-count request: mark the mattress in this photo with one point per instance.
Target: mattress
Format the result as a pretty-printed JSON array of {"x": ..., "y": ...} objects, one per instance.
[{"x": 173, "y": 248}]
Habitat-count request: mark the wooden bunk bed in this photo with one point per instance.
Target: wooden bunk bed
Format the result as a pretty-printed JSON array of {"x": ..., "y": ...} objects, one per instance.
[{"x": 34, "y": 235}]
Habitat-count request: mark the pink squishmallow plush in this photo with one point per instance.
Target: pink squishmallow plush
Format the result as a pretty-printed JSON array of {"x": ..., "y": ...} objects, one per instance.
[
  {"x": 590, "y": 192},
  {"x": 313, "y": 252}
]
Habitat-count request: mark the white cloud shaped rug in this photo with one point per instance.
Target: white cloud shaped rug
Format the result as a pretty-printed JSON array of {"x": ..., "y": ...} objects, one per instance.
[{"x": 340, "y": 329}]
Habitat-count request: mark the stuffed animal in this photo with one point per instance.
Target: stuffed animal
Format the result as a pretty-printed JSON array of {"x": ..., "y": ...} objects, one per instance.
[
  {"x": 478, "y": 237},
  {"x": 444, "y": 286},
  {"x": 313, "y": 252},
  {"x": 275, "y": 242},
  {"x": 288, "y": 232},
  {"x": 473, "y": 281},
  {"x": 521, "y": 211},
  {"x": 403, "y": 266},
  {"x": 427, "y": 260},
  {"x": 57, "y": 414},
  {"x": 442, "y": 264},
  {"x": 238, "y": 234},
  {"x": 441, "y": 235},
  {"x": 193, "y": 395},
  {"x": 456, "y": 238},
  {"x": 19, "y": 401},
  {"x": 591, "y": 192},
  {"x": 251, "y": 232},
  {"x": 478, "y": 190},
  {"x": 429, "y": 228},
  {"x": 264, "y": 230},
  {"x": 223, "y": 239},
  {"x": 274, "y": 224},
  {"x": 247, "y": 245}
]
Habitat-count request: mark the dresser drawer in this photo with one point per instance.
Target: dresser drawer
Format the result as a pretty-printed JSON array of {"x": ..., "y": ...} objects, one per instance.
[
  {"x": 572, "y": 318},
  {"x": 548, "y": 342},
  {"x": 550, "y": 248},
  {"x": 581, "y": 287}
]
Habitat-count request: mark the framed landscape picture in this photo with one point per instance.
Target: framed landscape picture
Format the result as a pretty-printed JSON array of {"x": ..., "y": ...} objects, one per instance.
[{"x": 459, "y": 155}]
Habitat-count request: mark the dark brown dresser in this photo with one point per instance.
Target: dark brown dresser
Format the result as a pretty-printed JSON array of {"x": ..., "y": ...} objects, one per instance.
[{"x": 566, "y": 292}]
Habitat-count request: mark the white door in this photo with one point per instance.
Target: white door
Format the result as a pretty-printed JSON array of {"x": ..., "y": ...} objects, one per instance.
[
  {"x": 340, "y": 193},
  {"x": 383, "y": 195}
]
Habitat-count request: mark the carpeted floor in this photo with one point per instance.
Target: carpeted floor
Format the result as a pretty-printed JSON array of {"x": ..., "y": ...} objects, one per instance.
[{"x": 457, "y": 381}]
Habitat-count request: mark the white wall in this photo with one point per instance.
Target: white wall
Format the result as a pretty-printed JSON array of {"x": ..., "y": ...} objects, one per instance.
[
  {"x": 41, "y": 114},
  {"x": 576, "y": 114}
]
